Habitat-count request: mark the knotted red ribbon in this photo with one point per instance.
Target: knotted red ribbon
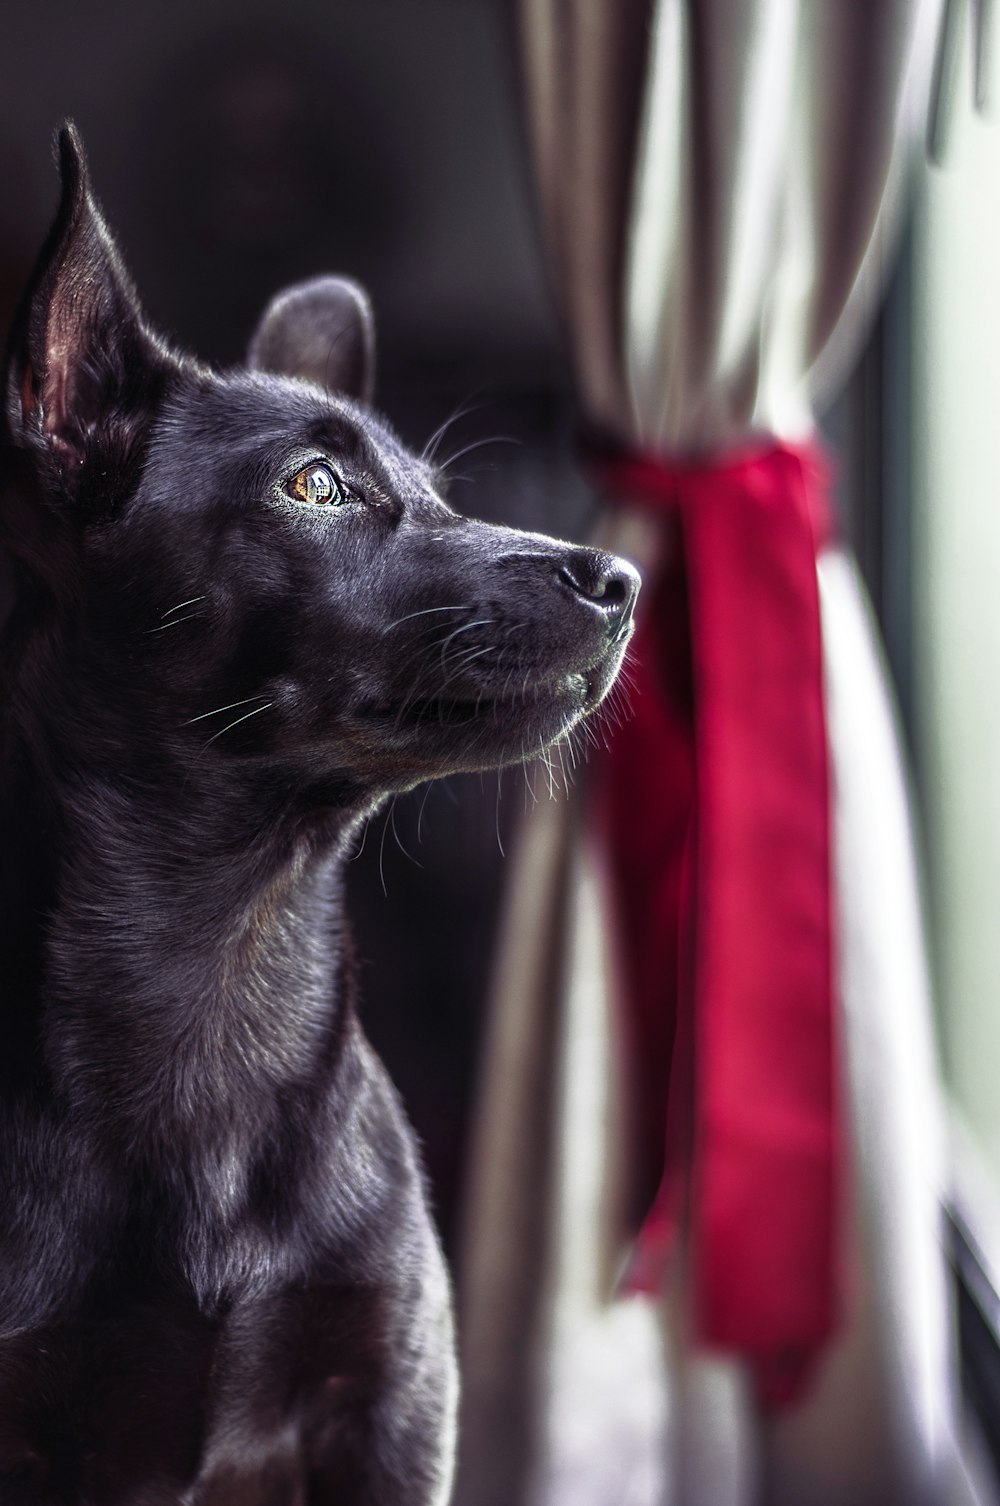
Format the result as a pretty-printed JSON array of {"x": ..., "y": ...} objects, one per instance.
[{"x": 715, "y": 800}]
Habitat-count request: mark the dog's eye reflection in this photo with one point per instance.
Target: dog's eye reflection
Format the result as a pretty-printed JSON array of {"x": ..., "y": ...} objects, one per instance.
[{"x": 317, "y": 483}]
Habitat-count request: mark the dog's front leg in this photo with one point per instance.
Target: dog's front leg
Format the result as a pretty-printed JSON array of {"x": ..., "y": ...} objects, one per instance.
[
  {"x": 399, "y": 1449},
  {"x": 335, "y": 1396},
  {"x": 384, "y": 1464}
]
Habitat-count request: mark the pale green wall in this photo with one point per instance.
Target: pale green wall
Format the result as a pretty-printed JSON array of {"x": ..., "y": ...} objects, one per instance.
[{"x": 956, "y": 437}]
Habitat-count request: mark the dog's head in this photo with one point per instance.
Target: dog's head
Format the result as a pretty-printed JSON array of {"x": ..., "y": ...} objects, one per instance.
[{"x": 249, "y": 568}]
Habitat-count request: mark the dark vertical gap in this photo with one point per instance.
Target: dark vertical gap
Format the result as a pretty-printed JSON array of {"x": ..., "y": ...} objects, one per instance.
[
  {"x": 895, "y": 471},
  {"x": 977, "y": 1317},
  {"x": 869, "y": 427}
]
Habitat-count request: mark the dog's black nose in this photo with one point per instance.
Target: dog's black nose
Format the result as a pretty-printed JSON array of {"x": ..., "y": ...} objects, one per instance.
[{"x": 611, "y": 584}]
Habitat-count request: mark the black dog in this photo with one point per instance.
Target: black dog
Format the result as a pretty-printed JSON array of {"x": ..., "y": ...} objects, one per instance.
[{"x": 243, "y": 617}]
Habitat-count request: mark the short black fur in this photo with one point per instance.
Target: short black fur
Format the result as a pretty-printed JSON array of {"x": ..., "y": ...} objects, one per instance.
[{"x": 218, "y": 1278}]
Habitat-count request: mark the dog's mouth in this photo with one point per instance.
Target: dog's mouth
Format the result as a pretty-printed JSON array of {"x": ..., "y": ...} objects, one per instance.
[
  {"x": 573, "y": 690},
  {"x": 537, "y": 707},
  {"x": 417, "y": 722}
]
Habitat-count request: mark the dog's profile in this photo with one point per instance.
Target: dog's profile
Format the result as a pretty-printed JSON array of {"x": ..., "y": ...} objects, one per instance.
[{"x": 243, "y": 618}]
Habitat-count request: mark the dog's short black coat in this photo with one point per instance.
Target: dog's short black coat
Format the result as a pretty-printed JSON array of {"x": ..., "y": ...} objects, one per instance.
[{"x": 218, "y": 1278}]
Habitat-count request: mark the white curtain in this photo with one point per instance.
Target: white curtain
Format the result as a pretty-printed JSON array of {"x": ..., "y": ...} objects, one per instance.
[{"x": 717, "y": 181}]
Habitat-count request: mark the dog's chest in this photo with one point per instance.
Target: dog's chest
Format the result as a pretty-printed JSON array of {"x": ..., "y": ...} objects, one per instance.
[{"x": 149, "y": 1399}]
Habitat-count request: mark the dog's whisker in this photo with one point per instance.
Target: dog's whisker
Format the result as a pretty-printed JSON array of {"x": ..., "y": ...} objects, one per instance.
[
  {"x": 175, "y": 623},
  {"x": 464, "y": 652},
  {"x": 424, "y": 612},
  {"x": 381, "y": 850},
  {"x": 420, "y": 814},
  {"x": 467, "y": 627},
  {"x": 229, "y": 706},
  {"x": 465, "y": 659},
  {"x": 189, "y": 603},
  {"x": 361, "y": 845},
  {"x": 236, "y": 722},
  {"x": 496, "y": 814},
  {"x": 562, "y": 766},
  {"x": 399, "y": 841}
]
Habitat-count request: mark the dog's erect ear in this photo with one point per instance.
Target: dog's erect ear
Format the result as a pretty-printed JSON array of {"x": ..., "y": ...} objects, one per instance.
[
  {"x": 322, "y": 330},
  {"x": 84, "y": 371}
]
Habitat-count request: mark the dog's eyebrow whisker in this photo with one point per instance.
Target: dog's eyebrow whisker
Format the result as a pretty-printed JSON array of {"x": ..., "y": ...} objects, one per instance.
[
  {"x": 246, "y": 716},
  {"x": 229, "y": 706},
  {"x": 477, "y": 444},
  {"x": 467, "y": 406}
]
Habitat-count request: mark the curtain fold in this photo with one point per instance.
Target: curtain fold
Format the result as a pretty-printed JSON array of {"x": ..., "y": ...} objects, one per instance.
[
  {"x": 711, "y": 177},
  {"x": 716, "y": 183}
]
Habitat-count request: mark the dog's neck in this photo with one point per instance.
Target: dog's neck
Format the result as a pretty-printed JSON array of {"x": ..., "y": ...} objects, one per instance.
[{"x": 188, "y": 945}]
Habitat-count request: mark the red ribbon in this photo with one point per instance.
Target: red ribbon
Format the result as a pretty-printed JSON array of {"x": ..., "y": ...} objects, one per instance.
[{"x": 715, "y": 799}]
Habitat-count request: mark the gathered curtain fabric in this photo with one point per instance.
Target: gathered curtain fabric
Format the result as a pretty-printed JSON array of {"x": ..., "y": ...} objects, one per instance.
[{"x": 702, "y": 1257}]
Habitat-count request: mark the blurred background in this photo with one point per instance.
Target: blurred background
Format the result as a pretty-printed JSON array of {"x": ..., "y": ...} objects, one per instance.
[{"x": 236, "y": 146}]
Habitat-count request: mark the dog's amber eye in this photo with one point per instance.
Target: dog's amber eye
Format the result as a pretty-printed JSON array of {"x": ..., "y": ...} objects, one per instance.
[{"x": 317, "y": 483}]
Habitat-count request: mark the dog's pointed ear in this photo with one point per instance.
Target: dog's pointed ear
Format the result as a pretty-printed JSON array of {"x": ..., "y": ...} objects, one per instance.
[
  {"x": 323, "y": 330},
  {"x": 83, "y": 370}
]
